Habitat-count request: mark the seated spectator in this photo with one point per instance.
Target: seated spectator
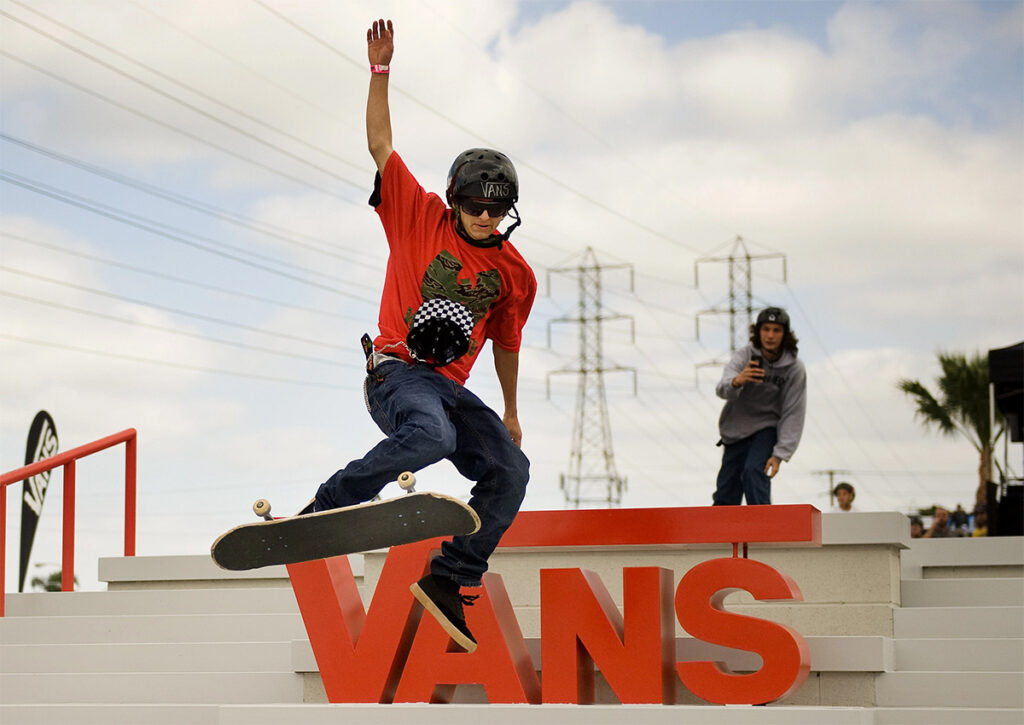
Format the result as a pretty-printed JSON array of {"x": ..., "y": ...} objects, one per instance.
[
  {"x": 980, "y": 521},
  {"x": 844, "y": 494},
  {"x": 916, "y": 527},
  {"x": 958, "y": 519},
  {"x": 940, "y": 528}
]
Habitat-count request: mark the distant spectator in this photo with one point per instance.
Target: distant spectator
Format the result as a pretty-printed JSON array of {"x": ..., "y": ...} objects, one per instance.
[
  {"x": 940, "y": 528},
  {"x": 958, "y": 519},
  {"x": 844, "y": 494},
  {"x": 916, "y": 527},
  {"x": 980, "y": 521}
]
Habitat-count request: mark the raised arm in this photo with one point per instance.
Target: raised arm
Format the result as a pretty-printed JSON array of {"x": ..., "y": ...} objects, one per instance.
[{"x": 380, "y": 46}]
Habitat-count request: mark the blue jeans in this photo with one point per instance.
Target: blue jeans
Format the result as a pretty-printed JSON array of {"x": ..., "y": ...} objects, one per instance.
[
  {"x": 742, "y": 473},
  {"x": 427, "y": 417}
]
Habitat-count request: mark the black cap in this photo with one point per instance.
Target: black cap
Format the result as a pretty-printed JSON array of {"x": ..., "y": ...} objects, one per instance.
[{"x": 773, "y": 314}]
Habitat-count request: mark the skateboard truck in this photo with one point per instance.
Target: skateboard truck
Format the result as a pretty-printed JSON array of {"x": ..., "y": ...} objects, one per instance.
[{"x": 406, "y": 480}]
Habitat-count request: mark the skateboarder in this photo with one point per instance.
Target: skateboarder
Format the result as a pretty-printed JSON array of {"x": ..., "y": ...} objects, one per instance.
[
  {"x": 452, "y": 283},
  {"x": 765, "y": 392}
]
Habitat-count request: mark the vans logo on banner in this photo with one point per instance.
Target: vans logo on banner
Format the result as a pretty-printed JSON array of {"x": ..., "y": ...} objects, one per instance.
[
  {"x": 393, "y": 652},
  {"x": 43, "y": 446},
  {"x": 42, "y": 443}
]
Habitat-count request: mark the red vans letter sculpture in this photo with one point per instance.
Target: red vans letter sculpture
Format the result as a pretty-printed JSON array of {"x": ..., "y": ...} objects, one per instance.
[{"x": 391, "y": 653}]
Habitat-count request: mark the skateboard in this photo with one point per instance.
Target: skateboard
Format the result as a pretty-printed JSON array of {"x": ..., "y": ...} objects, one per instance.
[{"x": 349, "y": 530}]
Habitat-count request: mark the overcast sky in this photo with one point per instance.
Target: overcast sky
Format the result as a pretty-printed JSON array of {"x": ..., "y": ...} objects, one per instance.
[{"x": 186, "y": 248}]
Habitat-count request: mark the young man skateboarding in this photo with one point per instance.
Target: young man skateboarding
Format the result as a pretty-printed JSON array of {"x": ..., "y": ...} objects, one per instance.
[
  {"x": 452, "y": 283},
  {"x": 765, "y": 392}
]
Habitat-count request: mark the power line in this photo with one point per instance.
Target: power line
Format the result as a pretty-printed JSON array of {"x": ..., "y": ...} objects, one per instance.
[
  {"x": 170, "y": 127},
  {"x": 184, "y": 103},
  {"x": 821, "y": 343},
  {"x": 200, "y": 140},
  {"x": 131, "y": 220},
  {"x": 173, "y": 310},
  {"x": 270, "y": 230},
  {"x": 177, "y": 279},
  {"x": 167, "y": 363},
  {"x": 145, "y": 7},
  {"x": 608, "y": 145},
  {"x": 162, "y": 328},
  {"x": 465, "y": 129}
]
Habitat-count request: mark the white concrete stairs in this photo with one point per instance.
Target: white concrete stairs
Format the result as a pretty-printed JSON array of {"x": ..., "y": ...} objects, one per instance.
[
  {"x": 958, "y": 638},
  {"x": 193, "y": 639},
  {"x": 176, "y": 640}
]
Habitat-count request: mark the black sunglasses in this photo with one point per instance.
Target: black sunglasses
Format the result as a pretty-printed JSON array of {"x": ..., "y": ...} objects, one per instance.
[{"x": 476, "y": 207}]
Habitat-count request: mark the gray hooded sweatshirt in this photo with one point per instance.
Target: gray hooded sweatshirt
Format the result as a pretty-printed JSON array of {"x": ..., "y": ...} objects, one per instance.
[{"x": 779, "y": 402}]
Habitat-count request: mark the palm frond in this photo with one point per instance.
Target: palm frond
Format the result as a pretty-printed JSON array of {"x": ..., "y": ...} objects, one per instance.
[
  {"x": 929, "y": 410},
  {"x": 964, "y": 385}
]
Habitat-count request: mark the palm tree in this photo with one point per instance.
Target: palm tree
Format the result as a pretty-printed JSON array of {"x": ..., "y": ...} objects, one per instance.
[{"x": 962, "y": 407}]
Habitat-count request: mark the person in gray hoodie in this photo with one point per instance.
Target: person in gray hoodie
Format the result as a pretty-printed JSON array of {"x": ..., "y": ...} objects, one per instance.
[{"x": 765, "y": 391}]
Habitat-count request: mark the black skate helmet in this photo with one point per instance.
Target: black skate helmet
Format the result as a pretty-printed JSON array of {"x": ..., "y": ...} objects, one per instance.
[{"x": 483, "y": 174}]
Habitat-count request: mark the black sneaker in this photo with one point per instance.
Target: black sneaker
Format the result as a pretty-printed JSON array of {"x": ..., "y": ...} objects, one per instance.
[{"x": 441, "y": 597}]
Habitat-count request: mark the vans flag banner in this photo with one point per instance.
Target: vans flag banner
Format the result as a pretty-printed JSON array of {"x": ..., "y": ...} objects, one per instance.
[{"x": 42, "y": 443}]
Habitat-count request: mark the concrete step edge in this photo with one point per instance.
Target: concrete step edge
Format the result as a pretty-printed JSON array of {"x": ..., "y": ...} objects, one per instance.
[
  {"x": 947, "y": 716},
  {"x": 995, "y": 654},
  {"x": 958, "y": 622},
  {"x": 191, "y": 657},
  {"x": 204, "y": 688},
  {"x": 949, "y": 689},
  {"x": 962, "y": 592},
  {"x": 151, "y": 628},
  {"x": 150, "y": 601},
  {"x": 426, "y": 714},
  {"x": 194, "y": 567}
]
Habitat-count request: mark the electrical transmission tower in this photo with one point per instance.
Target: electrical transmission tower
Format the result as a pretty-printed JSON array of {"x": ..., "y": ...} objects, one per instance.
[
  {"x": 592, "y": 476},
  {"x": 741, "y": 293}
]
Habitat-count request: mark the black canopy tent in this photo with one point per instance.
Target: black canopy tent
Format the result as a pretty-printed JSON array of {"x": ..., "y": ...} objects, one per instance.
[{"x": 1006, "y": 374}]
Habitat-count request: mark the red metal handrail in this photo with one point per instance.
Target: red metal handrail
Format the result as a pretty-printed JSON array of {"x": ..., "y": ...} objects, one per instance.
[{"x": 67, "y": 459}]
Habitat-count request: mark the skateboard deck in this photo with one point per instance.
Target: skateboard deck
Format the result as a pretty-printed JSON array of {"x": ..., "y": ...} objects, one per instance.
[{"x": 349, "y": 530}]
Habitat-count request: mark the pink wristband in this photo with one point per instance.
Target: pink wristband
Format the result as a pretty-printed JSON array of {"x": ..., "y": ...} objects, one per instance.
[{"x": 380, "y": 69}]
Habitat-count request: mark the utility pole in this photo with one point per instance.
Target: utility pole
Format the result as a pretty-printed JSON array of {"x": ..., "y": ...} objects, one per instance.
[
  {"x": 592, "y": 476},
  {"x": 741, "y": 294},
  {"x": 831, "y": 473}
]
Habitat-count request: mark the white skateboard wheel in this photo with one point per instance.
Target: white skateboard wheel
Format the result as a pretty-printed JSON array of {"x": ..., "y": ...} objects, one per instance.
[
  {"x": 407, "y": 480},
  {"x": 262, "y": 508}
]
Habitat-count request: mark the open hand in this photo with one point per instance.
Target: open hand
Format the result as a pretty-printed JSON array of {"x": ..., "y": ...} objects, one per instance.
[{"x": 380, "y": 42}]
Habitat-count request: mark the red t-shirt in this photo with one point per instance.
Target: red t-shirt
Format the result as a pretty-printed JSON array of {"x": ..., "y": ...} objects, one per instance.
[{"x": 429, "y": 259}]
